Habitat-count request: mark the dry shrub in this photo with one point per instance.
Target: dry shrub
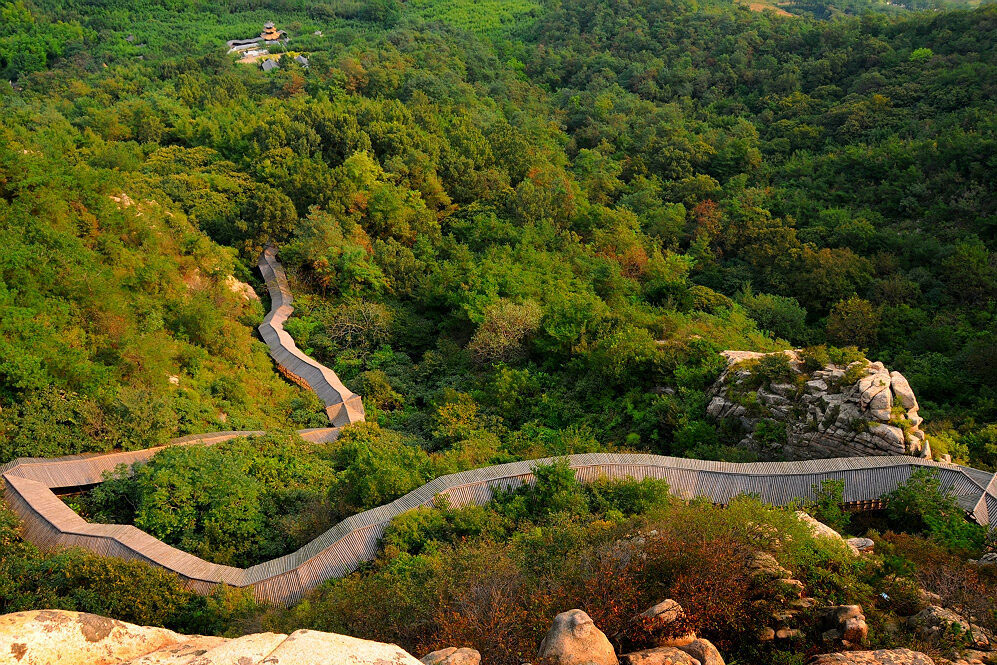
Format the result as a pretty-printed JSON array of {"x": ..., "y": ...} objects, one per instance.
[
  {"x": 708, "y": 578},
  {"x": 506, "y": 326},
  {"x": 482, "y": 605},
  {"x": 968, "y": 588},
  {"x": 501, "y": 598}
]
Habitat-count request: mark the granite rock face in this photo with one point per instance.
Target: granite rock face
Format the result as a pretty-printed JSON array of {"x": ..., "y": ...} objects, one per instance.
[
  {"x": 882, "y": 657},
  {"x": 61, "y": 637},
  {"x": 575, "y": 640},
  {"x": 453, "y": 656},
  {"x": 861, "y": 409}
]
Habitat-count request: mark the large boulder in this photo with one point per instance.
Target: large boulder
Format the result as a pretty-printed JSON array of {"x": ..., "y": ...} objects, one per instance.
[
  {"x": 659, "y": 656},
  {"x": 50, "y": 637},
  {"x": 821, "y": 530},
  {"x": 41, "y": 637},
  {"x": 573, "y": 639},
  {"x": 304, "y": 647},
  {"x": 453, "y": 656},
  {"x": 882, "y": 657},
  {"x": 836, "y": 411},
  {"x": 846, "y": 623},
  {"x": 703, "y": 651}
]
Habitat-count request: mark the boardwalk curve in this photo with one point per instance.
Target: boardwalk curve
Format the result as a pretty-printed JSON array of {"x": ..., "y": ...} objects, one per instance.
[
  {"x": 341, "y": 404},
  {"x": 50, "y": 523},
  {"x": 31, "y": 486}
]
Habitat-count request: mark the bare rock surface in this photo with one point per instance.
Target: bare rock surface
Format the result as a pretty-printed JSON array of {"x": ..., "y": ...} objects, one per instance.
[
  {"x": 43, "y": 637},
  {"x": 862, "y": 545},
  {"x": 861, "y": 409},
  {"x": 935, "y": 621},
  {"x": 574, "y": 639},
  {"x": 312, "y": 646},
  {"x": 659, "y": 656},
  {"x": 704, "y": 651},
  {"x": 60, "y": 637},
  {"x": 453, "y": 656},
  {"x": 881, "y": 657}
]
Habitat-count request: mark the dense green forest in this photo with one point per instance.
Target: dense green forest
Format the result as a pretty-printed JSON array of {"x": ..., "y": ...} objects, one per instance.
[{"x": 517, "y": 229}]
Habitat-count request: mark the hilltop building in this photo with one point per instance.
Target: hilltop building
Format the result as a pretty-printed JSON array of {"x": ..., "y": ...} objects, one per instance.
[
  {"x": 269, "y": 65},
  {"x": 271, "y": 33}
]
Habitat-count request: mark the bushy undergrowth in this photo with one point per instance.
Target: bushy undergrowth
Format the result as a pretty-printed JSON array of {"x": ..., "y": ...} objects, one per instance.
[
  {"x": 126, "y": 590},
  {"x": 494, "y": 576}
]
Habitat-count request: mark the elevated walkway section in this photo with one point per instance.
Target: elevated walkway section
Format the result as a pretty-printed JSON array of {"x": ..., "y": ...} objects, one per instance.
[
  {"x": 341, "y": 404},
  {"x": 50, "y": 523}
]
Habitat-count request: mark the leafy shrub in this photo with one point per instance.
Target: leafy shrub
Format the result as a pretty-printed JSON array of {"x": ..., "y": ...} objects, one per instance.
[
  {"x": 131, "y": 591},
  {"x": 707, "y": 300},
  {"x": 781, "y": 315},
  {"x": 814, "y": 358},
  {"x": 853, "y": 321},
  {"x": 920, "y": 506},
  {"x": 827, "y": 504},
  {"x": 770, "y": 432},
  {"x": 237, "y": 502},
  {"x": 505, "y": 327}
]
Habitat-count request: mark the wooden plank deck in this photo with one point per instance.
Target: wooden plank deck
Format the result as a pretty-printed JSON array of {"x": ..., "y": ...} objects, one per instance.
[
  {"x": 51, "y": 524},
  {"x": 341, "y": 404}
]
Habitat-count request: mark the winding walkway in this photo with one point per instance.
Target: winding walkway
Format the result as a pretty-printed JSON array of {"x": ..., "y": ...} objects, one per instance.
[
  {"x": 30, "y": 487},
  {"x": 341, "y": 405}
]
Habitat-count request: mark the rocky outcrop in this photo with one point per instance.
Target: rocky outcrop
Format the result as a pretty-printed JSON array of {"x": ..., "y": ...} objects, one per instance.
[
  {"x": 835, "y": 411},
  {"x": 821, "y": 530},
  {"x": 453, "y": 656},
  {"x": 777, "y": 595},
  {"x": 575, "y": 640},
  {"x": 59, "y": 637},
  {"x": 936, "y": 622},
  {"x": 882, "y": 657},
  {"x": 845, "y": 624}
]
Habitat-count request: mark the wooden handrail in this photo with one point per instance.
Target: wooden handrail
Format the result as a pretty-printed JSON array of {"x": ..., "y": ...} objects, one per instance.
[{"x": 49, "y": 523}]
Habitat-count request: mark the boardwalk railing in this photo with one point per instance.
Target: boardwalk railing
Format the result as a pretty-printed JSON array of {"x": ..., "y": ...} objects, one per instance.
[
  {"x": 341, "y": 404},
  {"x": 50, "y": 523},
  {"x": 30, "y": 486}
]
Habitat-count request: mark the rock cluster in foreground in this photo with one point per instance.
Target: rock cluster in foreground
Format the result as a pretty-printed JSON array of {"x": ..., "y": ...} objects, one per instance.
[
  {"x": 60, "y": 637},
  {"x": 861, "y": 409}
]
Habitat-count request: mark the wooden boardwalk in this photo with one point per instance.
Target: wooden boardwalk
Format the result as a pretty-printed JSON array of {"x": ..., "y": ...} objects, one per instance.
[
  {"x": 31, "y": 486},
  {"x": 341, "y": 404},
  {"x": 49, "y": 523}
]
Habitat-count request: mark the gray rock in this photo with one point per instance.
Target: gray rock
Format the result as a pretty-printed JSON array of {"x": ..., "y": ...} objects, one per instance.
[
  {"x": 861, "y": 544},
  {"x": 934, "y": 621},
  {"x": 902, "y": 390},
  {"x": 826, "y": 419}
]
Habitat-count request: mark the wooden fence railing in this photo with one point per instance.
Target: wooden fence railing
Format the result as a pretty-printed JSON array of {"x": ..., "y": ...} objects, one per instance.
[
  {"x": 31, "y": 486},
  {"x": 50, "y": 523},
  {"x": 341, "y": 404}
]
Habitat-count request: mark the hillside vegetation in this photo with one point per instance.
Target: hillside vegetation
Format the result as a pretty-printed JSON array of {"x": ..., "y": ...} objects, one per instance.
[{"x": 517, "y": 229}]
